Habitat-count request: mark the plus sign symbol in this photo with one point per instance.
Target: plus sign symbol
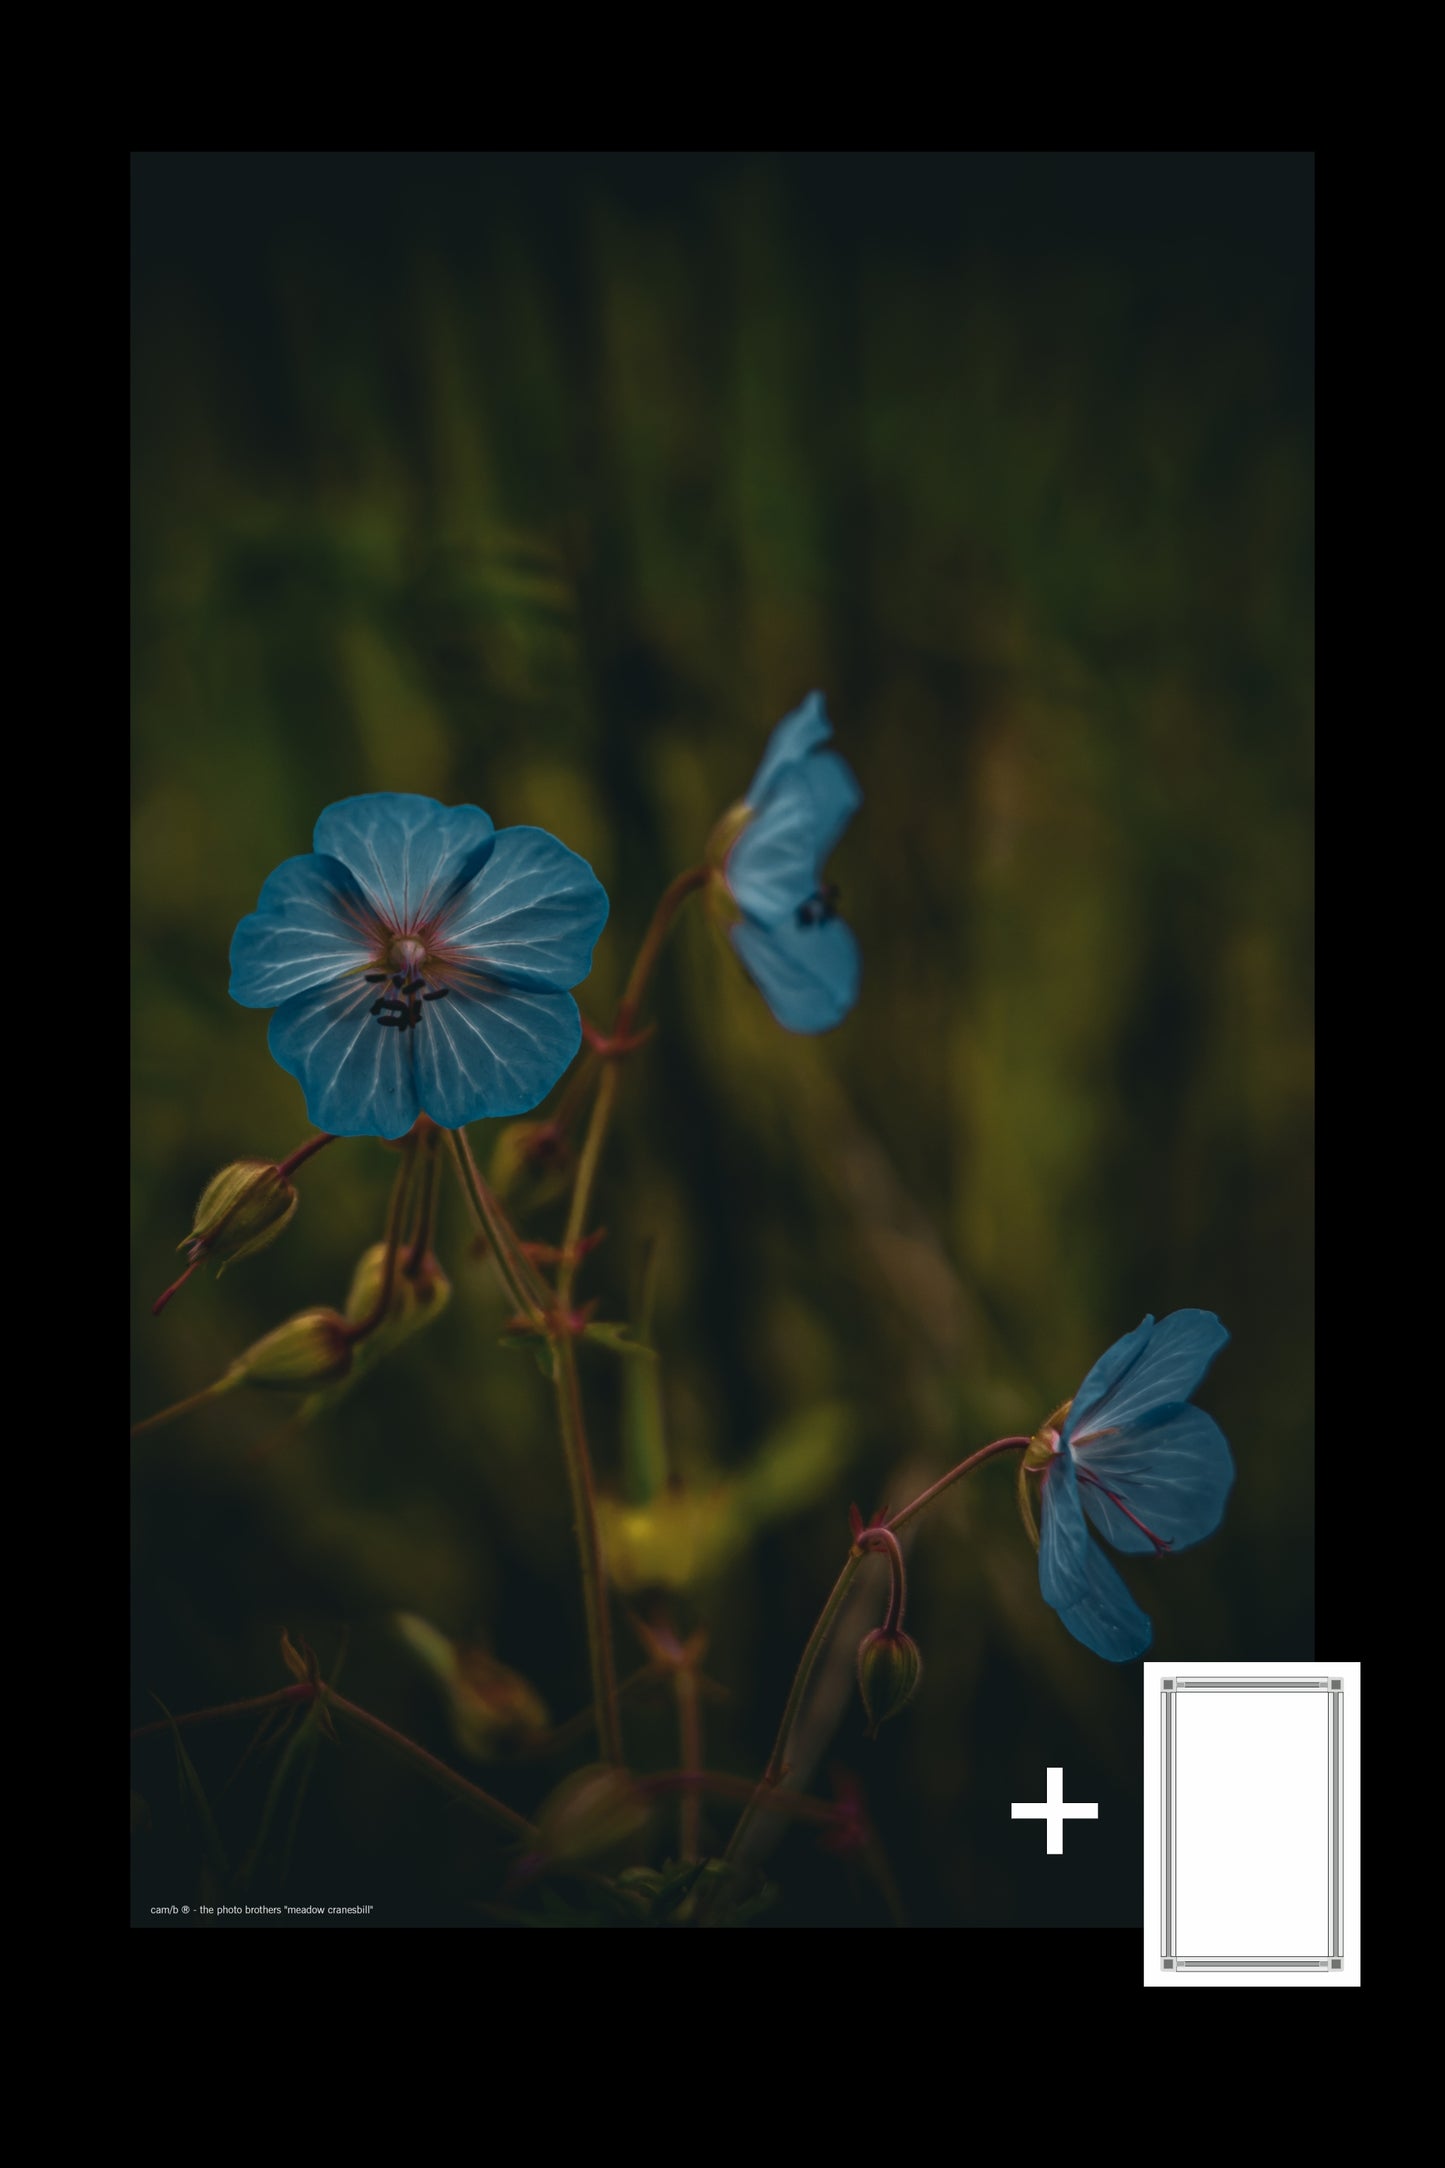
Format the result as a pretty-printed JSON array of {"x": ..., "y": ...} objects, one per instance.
[{"x": 1055, "y": 1810}]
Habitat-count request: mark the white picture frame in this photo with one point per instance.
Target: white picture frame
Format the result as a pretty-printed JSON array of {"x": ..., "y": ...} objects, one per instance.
[{"x": 1250, "y": 1848}]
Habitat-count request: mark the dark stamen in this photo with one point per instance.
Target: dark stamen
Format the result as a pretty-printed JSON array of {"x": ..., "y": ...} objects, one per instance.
[
  {"x": 402, "y": 1007},
  {"x": 820, "y": 907}
]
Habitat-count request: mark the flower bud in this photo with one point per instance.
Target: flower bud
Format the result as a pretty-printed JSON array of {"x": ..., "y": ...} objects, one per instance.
[
  {"x": 417, "y": 1296},
  {"x": 889, "y": 1667},
  {"x": 594, "y": 1814},
  {"x": 313, "y": 1348},
  {"x": 243, "y": 1208},
  {"x": 494, "y": 1711},
  {"x": 367, "y": 1282}
]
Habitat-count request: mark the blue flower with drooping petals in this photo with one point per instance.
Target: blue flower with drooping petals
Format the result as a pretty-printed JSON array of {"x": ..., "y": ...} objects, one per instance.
[
  {"x": 1150, "y": 1472},
  {"x": 419, "y": 963},
  {"x": 797, "y": 951}
]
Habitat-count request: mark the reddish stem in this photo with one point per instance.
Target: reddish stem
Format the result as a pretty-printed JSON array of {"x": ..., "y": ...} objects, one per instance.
[
  {"x": 883, "y": 1539},
  {"x": 493, "y": 1808},
  {"x": 303, "y": 1692},
  {"x": 1161, "y": 1543},
  {"x": 303, "y": 1152},
  {"x": 935, "y": 1490},
  {"x": 308, "y": 1690},
  {"x": 401, "y": 1190},
  {"x": 176, "y": 1285}
]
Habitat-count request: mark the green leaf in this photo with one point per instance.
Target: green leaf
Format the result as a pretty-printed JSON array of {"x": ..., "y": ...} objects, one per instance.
[
  {"x": 620, "y": 1339},
  {"x": 301, "y": 1663},
  {"x": 194, "y": 1791},
  {"x": 538, "y": 1346},
  {"x": 300, "y": 1751}
]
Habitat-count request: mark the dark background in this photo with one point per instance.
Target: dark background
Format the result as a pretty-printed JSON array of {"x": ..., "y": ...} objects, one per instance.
[{"x": 550, "y": 482}]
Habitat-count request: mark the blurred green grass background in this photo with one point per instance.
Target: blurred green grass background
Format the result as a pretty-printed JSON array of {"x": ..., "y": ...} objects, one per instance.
[{"x": 550, "y": 482}]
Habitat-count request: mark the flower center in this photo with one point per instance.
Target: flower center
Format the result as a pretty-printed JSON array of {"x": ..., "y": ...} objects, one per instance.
[
  {"x": 407, "y": 983},
  {"x": 820, "y": 906}
]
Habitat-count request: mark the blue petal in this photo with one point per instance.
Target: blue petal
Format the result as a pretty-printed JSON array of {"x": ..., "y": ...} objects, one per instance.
[
  {"x": 808, "y": 975},
  {"x": 490, "y": 1050},
  {"x": 1078, "y": 1580},
  {"x": 1172, "y": 1467},
  {"x": 409, "y": 854},
  {"x": 777, "y": 860},
  {"x": 308, "y": 928},
  {"x": 1111, "y": 1366},
  {"x": 358, "y": 1075},
  {"x": 532, "y": 915},
  {"x": 795, "y": 736},
  {"x": 1148, "y": 1368}
]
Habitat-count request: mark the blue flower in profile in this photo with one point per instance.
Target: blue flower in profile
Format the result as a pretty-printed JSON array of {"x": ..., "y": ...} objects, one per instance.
[
  {"x": 1150, "y": 1472},
  {"x": 419, "y": 963},
  {"x": 794, "y": 947}
]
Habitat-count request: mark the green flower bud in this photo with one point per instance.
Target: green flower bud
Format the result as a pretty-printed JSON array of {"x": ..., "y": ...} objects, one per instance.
[
  {"x": 593, "y": 1815},
  {"x": 313, "y": 1348},
  {"x": 416, "y": 1298},
  {"x": 889, "y": 1668},
  {"x": 367, "y": 1282},
  {"x": 493, "y": 1709},
  {"x": 242, "y": 1209}
]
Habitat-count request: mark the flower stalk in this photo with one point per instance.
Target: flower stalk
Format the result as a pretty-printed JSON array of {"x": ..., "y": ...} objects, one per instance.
[
  {"x": 428, "y": 1190},
  {"x": 946, "y": 1482},
  {"x": 879, "y": 1538},
  {"x": 396, "y": 1211},
  {"x": 517, "y": 1275},
  {"x": 671, "y": 901},
  {"x": 589, "y": 1547},
  {"x": 776, "y": 1766},
  {"x": 303, "y": 1152}
]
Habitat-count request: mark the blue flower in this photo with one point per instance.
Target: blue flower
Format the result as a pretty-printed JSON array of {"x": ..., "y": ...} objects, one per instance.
[
  {"x": 418, "y": 963},
  {"x": 801, "y": 956},
  {"x": 1151, "y": 1473}
]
